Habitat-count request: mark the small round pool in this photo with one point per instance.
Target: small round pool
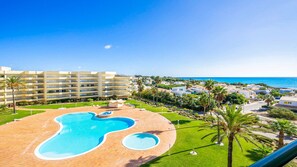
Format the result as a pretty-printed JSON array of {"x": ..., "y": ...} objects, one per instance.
[{"x": 141, "y": 141}]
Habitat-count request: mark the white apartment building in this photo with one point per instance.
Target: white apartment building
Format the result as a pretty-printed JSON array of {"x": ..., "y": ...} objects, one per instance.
[
  {"x": 179, "y": 91},
  {"x": 289, "y": 101},
  {"x": 57, "y": 85}
]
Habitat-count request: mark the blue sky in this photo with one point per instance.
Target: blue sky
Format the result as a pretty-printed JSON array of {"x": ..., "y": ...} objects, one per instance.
[{"x": 151, "y": 37}]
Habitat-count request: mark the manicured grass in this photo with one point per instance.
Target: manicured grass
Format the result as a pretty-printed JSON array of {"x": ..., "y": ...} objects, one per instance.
[
  {"x": 7, "y": 116},
  {"x": 189, "y": 138},
  {"x": 140, "y": 104},
  {"x": 67, "y": 105}
]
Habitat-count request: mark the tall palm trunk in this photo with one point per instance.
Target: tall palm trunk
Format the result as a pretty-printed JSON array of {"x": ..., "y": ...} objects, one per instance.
[
  {"x": 13, "y": 101},
  {"x": 218, "y": 121},
  {"x": 204, "y": 108},
  {"x": 230, "y": 149},
  {"x": 281, "y": 139},
  {"x": 219, "y": 134}
]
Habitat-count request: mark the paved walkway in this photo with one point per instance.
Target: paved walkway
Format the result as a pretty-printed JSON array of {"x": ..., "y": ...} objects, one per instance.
[
  {"x": 18, "y": 140},
  {"x": 274, "y": 136}
]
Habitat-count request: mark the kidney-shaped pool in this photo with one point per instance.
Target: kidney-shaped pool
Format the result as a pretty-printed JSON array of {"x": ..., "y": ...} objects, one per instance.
[{"x": 79, "y": 133}]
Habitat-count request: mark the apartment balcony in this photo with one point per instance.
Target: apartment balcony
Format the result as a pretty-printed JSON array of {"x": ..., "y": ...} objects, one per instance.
[
  {"x": 56, "y": 77},
  {"x": 57, "y": 83},
  {"x": 280, "y": 157}
]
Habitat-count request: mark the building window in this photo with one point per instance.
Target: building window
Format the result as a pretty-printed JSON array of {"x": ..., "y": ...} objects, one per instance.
[{"x": 287, "y": 102}]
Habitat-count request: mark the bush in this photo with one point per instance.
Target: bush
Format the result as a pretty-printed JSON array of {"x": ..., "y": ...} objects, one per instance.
[
  {"x": 282, "y": 113},
  {"x": 235, "y": 98},
  {"x": 3, "y": 108}
]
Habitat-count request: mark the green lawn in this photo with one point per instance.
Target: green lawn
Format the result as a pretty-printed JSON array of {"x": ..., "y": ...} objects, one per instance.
[
  {"x": 140, "y": 104},
  {"x": 67, "y": 105},
  {"x": 189, "y": 138},
  {"x": 8, "y": 116}
]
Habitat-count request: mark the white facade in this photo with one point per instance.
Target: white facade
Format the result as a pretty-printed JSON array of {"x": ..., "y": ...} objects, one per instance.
[
  {"x": 2, "y": 68},
  {"x": 179, "y": 91},
  {"x": 45, "y": 86},
  {"x": 165, "y": 83},
  {"x": 178, "y": 83},
  {"x": 290, "y": 101},
  {"x": 282, "y": 91},
  {"x": 248, "y": 94}
]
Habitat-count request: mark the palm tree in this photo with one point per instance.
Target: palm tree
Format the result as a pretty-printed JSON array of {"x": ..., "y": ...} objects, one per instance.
[
  {"x": 14, "y": 83},
  {"x": 234, "y": 124},
  {"x": 268, "y": 99},
  {"x": 154, "y": 92},
  {"x": 220, "y": 94},
  {"x": 140, "y": 85},
  {"x": 209, "y": 85},
  {"x": 283, "y": 126},
  {"x": 263, "y": 150},
  {"x": 188, "y": 85},
  {"x": 204, "y": 102}
]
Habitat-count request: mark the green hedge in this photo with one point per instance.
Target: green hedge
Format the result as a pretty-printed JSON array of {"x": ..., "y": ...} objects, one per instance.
[{"x": 282, "y": 113}]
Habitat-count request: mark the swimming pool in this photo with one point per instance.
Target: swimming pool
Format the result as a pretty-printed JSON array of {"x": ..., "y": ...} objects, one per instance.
[
  {"x": 141, "y": 141},
  {"x": 80, "y": 133}
]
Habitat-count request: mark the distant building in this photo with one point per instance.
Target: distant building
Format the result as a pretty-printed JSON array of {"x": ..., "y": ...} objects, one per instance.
[
  {"x": 260, "y": 91},
  {"x": 148, "y": 81},
  {"x": 196, "y": 90},
  {"x": 247, "y": 94},
  {"x": 179, "y": 91},
  {"x": 178, "y": 83},
  {"x": 165, "y": 83},
  {"x": 63, "y": 85},
  {"x": 289, "y": 101},
  {"x": 282, "y": 91}
]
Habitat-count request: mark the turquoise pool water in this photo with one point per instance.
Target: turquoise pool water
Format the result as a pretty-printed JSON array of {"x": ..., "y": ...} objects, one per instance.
[
  {"x": 79, "y": 133},
  {"x": 141, "y": 141}
]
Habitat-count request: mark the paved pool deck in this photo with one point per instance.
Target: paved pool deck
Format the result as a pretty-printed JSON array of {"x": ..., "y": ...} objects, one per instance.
[{"x": 18, "y": 140}]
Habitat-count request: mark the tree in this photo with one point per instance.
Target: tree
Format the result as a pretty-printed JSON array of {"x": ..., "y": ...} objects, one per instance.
[
  {"x": 209, "y": 85},
  {"x": 188, "y": 85},
  {"x": 234, "y": 124},
  {"x": 220, "y": 94},
  {"x": 275, "y": 93},
  {"x": 157, "y": 80},
  {"x": 154, "y": 92},
  {"x": 263, "y": 150},
  {"x": 14, "y": 83},
  {"x": 235, "y": 98},
  {"x": 140, "y": 85},
  {"x": 283, "y": 127},
  {"x": 268, "y": 99},
  {"x": 204, "y": 102}
]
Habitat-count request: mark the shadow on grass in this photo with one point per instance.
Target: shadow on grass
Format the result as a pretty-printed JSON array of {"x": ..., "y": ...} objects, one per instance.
[
  {"x": 141, "y": 160},
  {"x": 253, "y": 155},
  {"x": 181, "y": 122},
  {"x": 155, "y": 160}
]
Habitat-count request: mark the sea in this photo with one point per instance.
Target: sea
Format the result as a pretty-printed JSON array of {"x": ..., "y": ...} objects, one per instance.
[{"x": 277, "y": 82}]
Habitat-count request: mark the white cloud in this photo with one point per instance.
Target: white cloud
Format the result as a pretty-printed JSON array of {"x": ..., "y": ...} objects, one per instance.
[{"x": 107, "y": 46}]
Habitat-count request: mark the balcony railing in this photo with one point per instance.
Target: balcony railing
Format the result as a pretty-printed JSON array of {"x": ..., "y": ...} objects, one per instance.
[{"x": 280, "y": 157}]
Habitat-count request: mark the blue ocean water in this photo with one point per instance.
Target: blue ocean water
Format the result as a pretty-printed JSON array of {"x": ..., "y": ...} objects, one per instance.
[{"x": 279, "y": 82}]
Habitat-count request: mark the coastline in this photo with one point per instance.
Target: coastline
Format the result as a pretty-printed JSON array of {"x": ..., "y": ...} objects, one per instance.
[{"x": 276, "y": 82}]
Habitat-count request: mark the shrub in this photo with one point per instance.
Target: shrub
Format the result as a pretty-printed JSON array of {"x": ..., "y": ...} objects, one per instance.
[
  {"x": 90, "y": 100},
  {"x": 282, "y": 113},
  {"x": 3, "y": 108},
  {"x": 235, "y": 98}
]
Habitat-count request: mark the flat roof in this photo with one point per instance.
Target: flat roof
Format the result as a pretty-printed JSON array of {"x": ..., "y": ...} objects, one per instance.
[{"x": 289, "y": 98}]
